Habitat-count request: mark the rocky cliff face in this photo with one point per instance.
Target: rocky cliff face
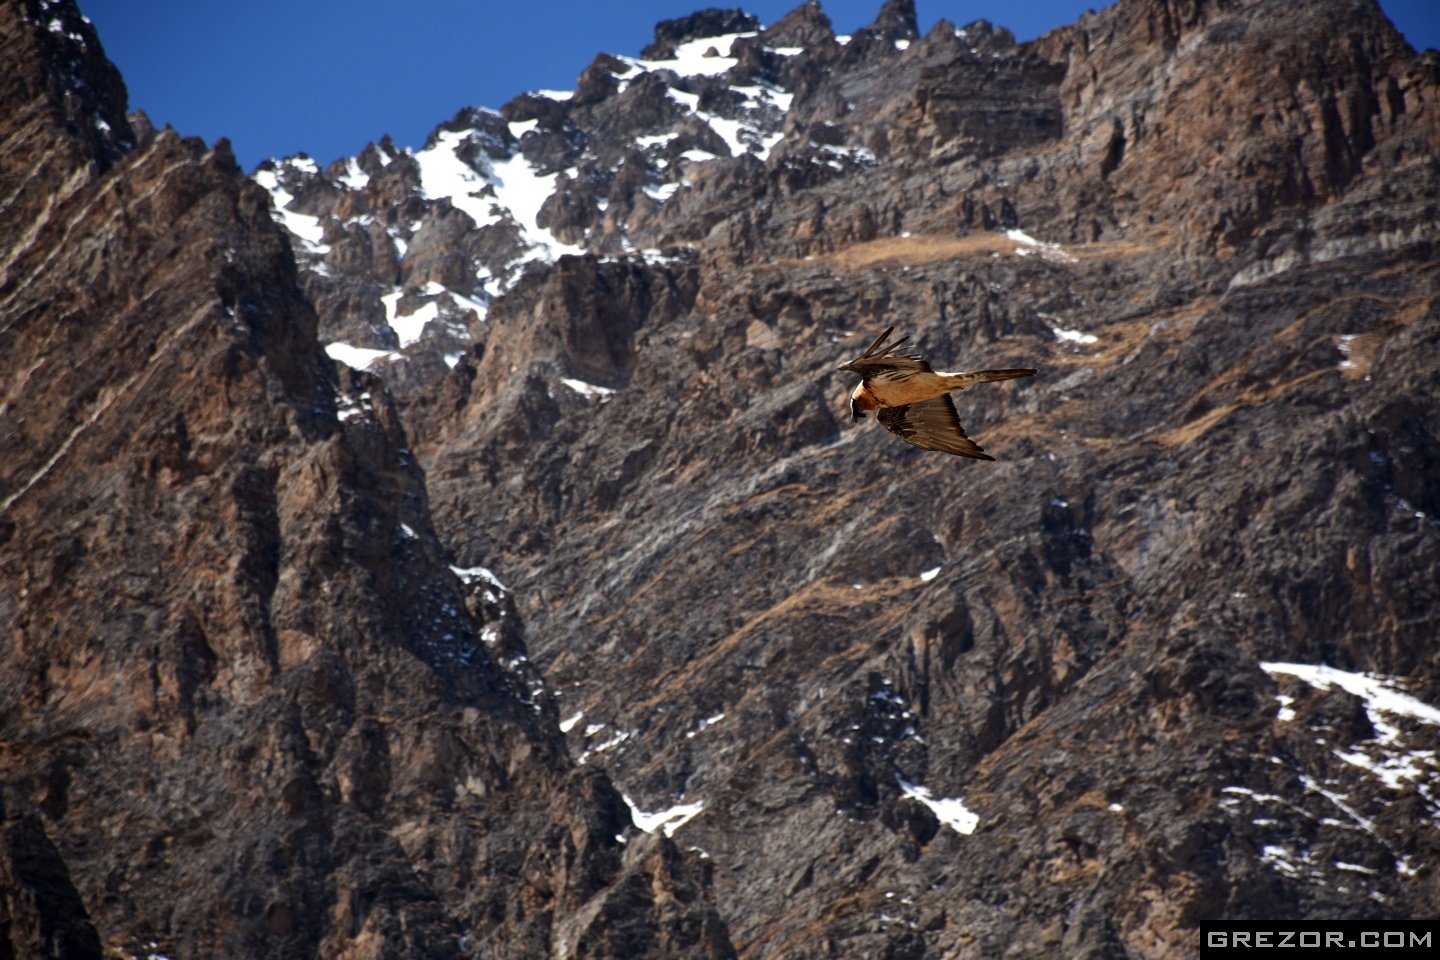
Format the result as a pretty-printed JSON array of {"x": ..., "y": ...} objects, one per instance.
[
  {"x": 248, "y": 708},
  {"x": 1170, "y": 659}
]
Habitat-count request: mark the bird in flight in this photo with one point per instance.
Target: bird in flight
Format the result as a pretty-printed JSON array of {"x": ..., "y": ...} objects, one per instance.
[{"x": 914, "y": 400}]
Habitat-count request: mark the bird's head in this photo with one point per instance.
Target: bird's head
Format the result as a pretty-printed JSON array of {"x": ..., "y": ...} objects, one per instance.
[{"x": 861, "y": 403}]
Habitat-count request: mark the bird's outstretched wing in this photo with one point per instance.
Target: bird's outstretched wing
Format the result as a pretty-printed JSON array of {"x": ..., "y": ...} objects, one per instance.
[
  {"x": 932, "y": 425},
  {"x": 881, "y": 360}
]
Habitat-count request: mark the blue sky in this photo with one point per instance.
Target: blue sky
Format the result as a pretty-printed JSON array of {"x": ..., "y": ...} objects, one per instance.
[{"x": 325, "y": 77}]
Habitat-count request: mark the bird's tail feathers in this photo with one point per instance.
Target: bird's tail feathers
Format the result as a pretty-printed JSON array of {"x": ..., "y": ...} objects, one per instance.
[{"x": 959, "y": 381}]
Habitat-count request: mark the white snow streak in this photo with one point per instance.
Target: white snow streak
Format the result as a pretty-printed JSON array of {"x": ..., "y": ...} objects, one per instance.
[
  {"x": 950, "y": 811},
  {"x": 587, "y": 389},
  {"x": 1379, "y": 693},
  {"x": 691, "y": 58},
  {"x": 307, "y": 228},
  {"x": 410, "y": 326},
  {"x": 469, "y": 575},
  {"x": 1075, "y": 336},
  {"x": 707, "y": 722},
  {"x": 710, "y": 56},
  {"x": 509, "y": 185},
  {"x": 1386, "y": 755},
  {"x": 444, "y": 176},
  {"x": 358, "y": 357},
  {"x": 1029, "y": 245},
  {"x": 1285, "y": 714},
  {"x": 353, "y": 177},
  {"x": 667, "y": 820},
  {"x": 1343, "y": 344}
]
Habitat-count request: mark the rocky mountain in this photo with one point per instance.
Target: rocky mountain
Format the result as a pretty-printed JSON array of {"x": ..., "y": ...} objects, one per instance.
[
  {"x": 562, "y": 611},
  {"x": 249, "y": 708}
]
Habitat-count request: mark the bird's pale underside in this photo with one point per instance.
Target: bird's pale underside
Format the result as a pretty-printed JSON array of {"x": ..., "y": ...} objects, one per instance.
[{"x": 912, "y": 400}]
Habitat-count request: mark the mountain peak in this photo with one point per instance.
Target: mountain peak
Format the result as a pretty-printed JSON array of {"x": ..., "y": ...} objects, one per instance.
[
  {"x": 807, "y": 27},
  {"x": 52, "y": 46},
  {"x": 895, "y": 21},
  {"x": 713, "y": 22}
]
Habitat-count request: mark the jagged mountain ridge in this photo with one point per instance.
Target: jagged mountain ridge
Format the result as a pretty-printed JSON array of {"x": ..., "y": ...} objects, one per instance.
[
  {"x": 717, "y": 488},
  {"x": 247, "y": 708},
  {"x": 1066, "y": 702},
  {"x": 555, "y": 172},
  {"x": 570, "y": 183},
  {"x": 601, "y": 161}
]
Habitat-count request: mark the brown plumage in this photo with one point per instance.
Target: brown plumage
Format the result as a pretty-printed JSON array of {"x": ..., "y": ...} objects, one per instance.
[{"x": 913, "y": 400}]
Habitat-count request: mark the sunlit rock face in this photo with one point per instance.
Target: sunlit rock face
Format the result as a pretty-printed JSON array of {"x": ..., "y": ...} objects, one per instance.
[
  {"x": 249, "y": 704},
  {"x": 465, "y": 548}
]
